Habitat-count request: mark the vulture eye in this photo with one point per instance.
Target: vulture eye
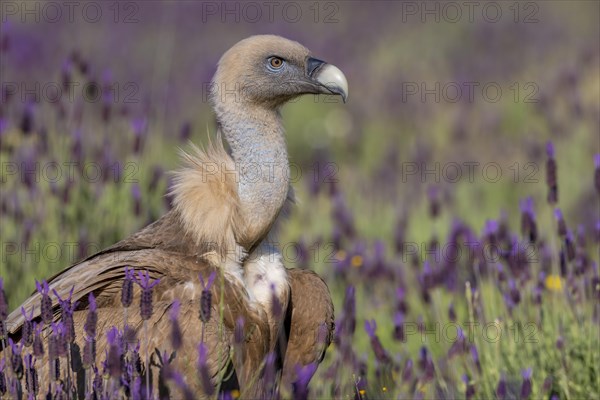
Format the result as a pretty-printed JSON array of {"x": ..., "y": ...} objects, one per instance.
[{"x": 275, "y": 63}]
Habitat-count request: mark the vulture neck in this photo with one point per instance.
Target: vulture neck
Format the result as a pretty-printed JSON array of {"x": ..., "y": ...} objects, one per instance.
[{"x": 256, "y": 138}]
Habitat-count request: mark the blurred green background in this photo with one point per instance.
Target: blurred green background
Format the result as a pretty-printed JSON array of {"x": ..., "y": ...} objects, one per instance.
[{"x": 139, "y": 77}]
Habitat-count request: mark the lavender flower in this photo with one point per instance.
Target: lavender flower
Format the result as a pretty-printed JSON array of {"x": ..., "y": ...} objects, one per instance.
[
  {"x": 570, "y": 245},
  {"x": 127, "y": 289},
  {"x": 203, "y": 370},
  {"x": 89, "y": 352},
  {"x": 92, "y": 318},
  {"x": 59, "y": 341},
  {"x": 380, "y": 353},
  {"x": 176, "y": 337},
  {"x": 459, "y": 346},
  {"x": 27, "y": 329},
  {"x": 269, "y": 373},
  {"x": 2, "y": 378},
  {"x": 136, "y": 194},
  {"x": 146, "y": 298},
  {"x": 16, "y": 361},
  {"x": 528, "y": 224},
  {"x": 303, "y": 376},
  {"x": 46, "y": 304},
  {"x": 3, "y": 305},
  {"x": 560, "y": 221},
  {"x": 399, "y": 333},
  {"x": 526, "y": 386},
  {"x": 401, "y": 304},
  {"x": 597, "y": 172},
  {"x": 407, "y": 371},
  {"x": 97, "y": 383},
  {"x": 113, "y": 357},
  {"x": 551, "y": 175},
  {"x": 183, "y": 387},
  {"x": 470, "y": 388},
  {"x": 426, "y": 364},
  {"x": 349, "y": 312},
  {"x": 31, "y": 377},
  {"x": 475, "y": 356},
  {"x": 206, "y": 297},
  {"x": 452, "y": 313},
  {"x": 501, "y": 388},
  {"x": 434, "y": 202},
  {"x": 139, "y": 127},
  {"x": 238, "y": 333},
  {"x": 400, "y": 235},
  {"x": 67, "y": 308},
  {"x": 38, "y": 344}
]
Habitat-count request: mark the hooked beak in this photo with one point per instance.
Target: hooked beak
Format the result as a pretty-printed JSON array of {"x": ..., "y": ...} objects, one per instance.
[{"x": 328, "y": 77}]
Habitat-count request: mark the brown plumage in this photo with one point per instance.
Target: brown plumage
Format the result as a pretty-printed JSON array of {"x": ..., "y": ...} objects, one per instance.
[{"x": 222, "y": 221}]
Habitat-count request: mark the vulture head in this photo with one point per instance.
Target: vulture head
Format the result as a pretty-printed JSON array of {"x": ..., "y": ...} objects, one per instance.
[
  {"x": 269, "y": 70},
  {"x": 254, "y": 78}
]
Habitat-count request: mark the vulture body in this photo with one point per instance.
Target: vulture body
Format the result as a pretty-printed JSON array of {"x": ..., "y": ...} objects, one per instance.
[{"x": 226, "y": 207}]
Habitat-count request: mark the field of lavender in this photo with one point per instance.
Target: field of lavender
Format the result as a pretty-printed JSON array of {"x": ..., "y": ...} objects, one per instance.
[{"x": 452, "y": 205}]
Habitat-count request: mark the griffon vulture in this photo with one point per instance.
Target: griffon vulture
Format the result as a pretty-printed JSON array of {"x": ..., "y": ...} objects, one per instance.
[{"x": 226, "y": 205}]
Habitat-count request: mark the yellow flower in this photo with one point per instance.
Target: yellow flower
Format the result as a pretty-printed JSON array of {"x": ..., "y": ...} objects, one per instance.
[
  {"x": 553, "y": 282},
  {"x": 235, "y": 393},
  {"x": 362, "y": 392},
  {"x": 384, "y": 389},
  {"x": 356, "y": 261}
]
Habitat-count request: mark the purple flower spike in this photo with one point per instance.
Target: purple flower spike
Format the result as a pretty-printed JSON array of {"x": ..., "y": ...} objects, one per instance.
[
  {"x": 92, "y": 318},
  {"x": 370, "y": 327},
  {"x": 303, "y": 376},
  {"x": 558, "y": 214},
  {"x": 562, "y": 225},
  {"x": 208, "y": 283},
  {"x": 526, "y": 386},
  {"x": 146, "y": 299},
  {"x": 27, "y": 329},
  {"x": 2, "y": 378},
  {"x": 113, "y": 357},
  {"x": 204, "y": 371},
  {"x": 470, "y": 391},
  {"x": 475, "y": 356},
  {"x": 380, "y": 353},
  {"x": 206, "y": 297},
  {"x": 550, "y": 149},
  {"x": 46, "y": 304},
  {"x": 399, "y": 333},
  {"x": 597, "y": 172},
  {"x": 16, "y": 360},
  {"x": 348, "y": 323},
  {"x": 127, "y": 290},
  {"x": 551, "y": 175},
  {"x": 407, "y": 372},
  {"x": 67, "y": 308},
  {"x": 38, "y": 343},
  {"x": 501, "y": 388},
  {"x": 60, "y": 343},
  {"x": 176, "y": 336},
  {"x": 490, "y": 229},
  {"x": 3, "y": 303},
  {"x": 238, "y": 333}
]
